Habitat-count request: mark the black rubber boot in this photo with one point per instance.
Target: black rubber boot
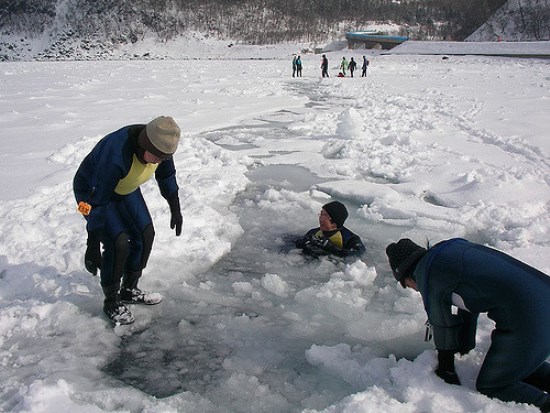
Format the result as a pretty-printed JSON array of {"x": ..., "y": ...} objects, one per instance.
[
  {"x": 113, "y": 307},
  {"x": 130, "y": 293}
]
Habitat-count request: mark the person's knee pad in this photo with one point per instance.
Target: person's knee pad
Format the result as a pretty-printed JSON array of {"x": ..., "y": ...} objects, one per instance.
[
  {"x": 122, "y": 249},
  {"x": 148, "y": 238},
  {"x": 121, "y": 244}
]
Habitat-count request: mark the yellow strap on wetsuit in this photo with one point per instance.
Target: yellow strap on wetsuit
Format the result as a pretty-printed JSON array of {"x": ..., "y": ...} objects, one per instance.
[
  {"x": 138, "y": 174},
  {"x": 336, "y": 239}
]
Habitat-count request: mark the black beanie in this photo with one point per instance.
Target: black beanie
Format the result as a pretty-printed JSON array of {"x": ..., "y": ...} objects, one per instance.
[
  {"x": 403, "y": 255},
  {"x": 337, "y": 211}
]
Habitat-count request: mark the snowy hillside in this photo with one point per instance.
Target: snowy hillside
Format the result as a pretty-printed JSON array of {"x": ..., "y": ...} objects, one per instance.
[
  {"x": 101, "y": 29},
  {"x": 516, "y": 21}
]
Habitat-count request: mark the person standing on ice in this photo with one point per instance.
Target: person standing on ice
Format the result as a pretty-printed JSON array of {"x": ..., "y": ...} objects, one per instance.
[
  {"x": 294, "y": 66},
  {"x": 106, "y": 187},
  {"x": 324, "y": 66},
  {"x": 365, "y": 66},
  {"x": 343, "y": 65},
  {"x": 458, "y": 280},
  {"x": 299, "y": 66},
  {"x": 351, "y": 66},
  {"x": 331, "y": 237}
]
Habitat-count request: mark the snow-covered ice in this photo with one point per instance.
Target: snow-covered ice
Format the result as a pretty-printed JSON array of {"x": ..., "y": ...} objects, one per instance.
[{"x": 424, "y": 147}]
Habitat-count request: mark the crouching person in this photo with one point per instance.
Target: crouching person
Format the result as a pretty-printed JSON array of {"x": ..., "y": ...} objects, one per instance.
[
  {"x": 106, "y": 187},
  {"x": 331, "y": 237},
  {"x": 476, "y": 279}
]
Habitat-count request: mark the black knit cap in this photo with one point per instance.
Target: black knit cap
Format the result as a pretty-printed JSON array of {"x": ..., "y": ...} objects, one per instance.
[
  {"x": 337, "y": 211},
  {"x": 403, "y": 255}
]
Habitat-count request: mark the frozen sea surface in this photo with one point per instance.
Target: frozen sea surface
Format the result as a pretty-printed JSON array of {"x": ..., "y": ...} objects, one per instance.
[{"x": 423, "y": 147}]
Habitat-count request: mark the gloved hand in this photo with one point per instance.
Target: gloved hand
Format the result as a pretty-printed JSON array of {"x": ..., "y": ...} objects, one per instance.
[
  {"x": 176, "y": 219},
  {"x": 446, "y": 366},
  {"x": 325, "y": 245},
  {"x": 466, "y": 334},
  {"x": 318, "y": 242},
  {"x": 92, "y": 257}
]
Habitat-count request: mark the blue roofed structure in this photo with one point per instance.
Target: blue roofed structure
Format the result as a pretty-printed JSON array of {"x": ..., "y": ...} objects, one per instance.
[{"x": 372, "y": 40}]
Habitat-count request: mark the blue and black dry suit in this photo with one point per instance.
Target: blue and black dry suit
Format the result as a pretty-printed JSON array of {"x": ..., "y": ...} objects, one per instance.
[
  {"x": 515, "y": 296},
  {"x": 108, "y": 179},
  {"x": 341, "y": 242}
]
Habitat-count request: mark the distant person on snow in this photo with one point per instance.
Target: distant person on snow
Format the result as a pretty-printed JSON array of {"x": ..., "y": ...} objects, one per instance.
[
  {"x": 351, "y": 66},
  {"x": 331, "y": 237},
  {"x": 324, "y": 66},
  {"x": 343, "y": 65},
  {"x": 106, "y": 187},
  {"x": 294, "y": 66},
  {"x": 365, "y": 66},
  {"x": 299, "y": 66},
  {"x": 458, "y": 280}
]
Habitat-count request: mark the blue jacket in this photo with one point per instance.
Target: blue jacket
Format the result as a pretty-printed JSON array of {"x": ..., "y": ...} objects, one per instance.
[
  {"x": 109, "y": 162},
  {"x": 514, "y": 295}
]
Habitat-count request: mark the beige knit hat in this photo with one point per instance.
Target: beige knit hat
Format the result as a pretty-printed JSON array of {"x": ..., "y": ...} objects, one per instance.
[{"x": 161, "y": 136}]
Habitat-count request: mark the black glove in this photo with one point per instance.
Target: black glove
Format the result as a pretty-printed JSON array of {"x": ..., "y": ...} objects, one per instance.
[
  {"x": 176, "y": 219},
  {"x": 467, "y": 332},
  {"x": 325, "y": 245},
  {"x": 318, "y": 242},
  {"x": 446, "y": 366},
  {"x": 92, "y": 257},
  {"x": 315, "y": 246}
]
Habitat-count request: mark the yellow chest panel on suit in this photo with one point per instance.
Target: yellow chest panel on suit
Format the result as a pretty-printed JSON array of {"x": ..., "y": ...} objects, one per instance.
[
  {"x": 336, "y": 239},
  {"x": 138, "y": 174}
]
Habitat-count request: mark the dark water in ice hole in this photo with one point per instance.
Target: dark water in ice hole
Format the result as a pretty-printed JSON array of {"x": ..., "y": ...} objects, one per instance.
[
  {"x": 159, "y": 363},
  {"x": 163, "y": 361}
]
